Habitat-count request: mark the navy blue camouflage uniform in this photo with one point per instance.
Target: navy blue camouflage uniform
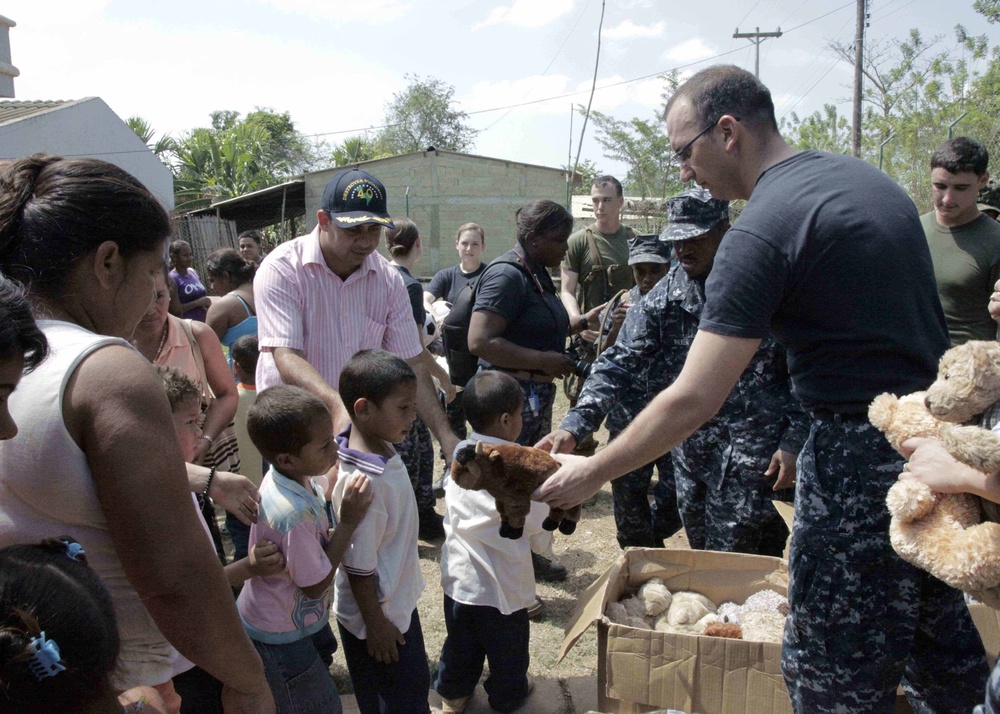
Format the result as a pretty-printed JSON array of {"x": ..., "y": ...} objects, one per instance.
[
  {"x": 723, "y": 495},
  {"x": 829, "y": 256}
]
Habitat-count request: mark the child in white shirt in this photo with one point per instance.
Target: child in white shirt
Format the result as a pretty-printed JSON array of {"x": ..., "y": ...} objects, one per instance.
[{"x": 488, "y": 581}]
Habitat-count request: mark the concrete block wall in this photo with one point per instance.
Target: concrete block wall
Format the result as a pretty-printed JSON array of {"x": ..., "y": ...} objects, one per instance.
[{"x": 447, "y": 189}]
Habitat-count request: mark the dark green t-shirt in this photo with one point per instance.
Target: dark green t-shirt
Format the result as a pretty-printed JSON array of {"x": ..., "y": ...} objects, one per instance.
[
  {"x": 966, "y": 266},
  {"x": 613, "y": 249}
]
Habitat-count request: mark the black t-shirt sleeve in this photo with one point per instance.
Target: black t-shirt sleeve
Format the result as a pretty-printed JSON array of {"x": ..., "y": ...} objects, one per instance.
[
  {"x": 441, "y": 283},
  {"x": 502, "y": 290},
  {"x": 416, "y": 292},
  {"x": 745, "y": 287}
]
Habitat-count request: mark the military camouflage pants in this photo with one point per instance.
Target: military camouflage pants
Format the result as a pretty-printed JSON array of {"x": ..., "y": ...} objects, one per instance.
[
  {"x": 737, "y": 515},
  {"x": 536, "y": 423},
  {"x": 417, "y": 452},
  {"x": 991, "y": 704},
  {"x": 861, "y": 619},
  {"x": 640, "y": 523}
]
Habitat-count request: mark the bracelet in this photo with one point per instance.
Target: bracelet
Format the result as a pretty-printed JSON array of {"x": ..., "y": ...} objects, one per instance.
[
  {"x": 208, "y": 484},
  {"x": 207, "y": 438}
]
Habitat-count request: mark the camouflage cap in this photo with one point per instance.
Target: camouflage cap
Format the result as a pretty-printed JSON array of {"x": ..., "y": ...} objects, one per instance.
[
  {"x": 692, "y": 213},
  {"x": 648, "y": 248}
]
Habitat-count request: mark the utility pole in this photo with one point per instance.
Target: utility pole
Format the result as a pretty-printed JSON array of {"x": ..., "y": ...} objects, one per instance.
[
  {"x": 756, "y": 37},
  {"x": 859, "y": 43}
]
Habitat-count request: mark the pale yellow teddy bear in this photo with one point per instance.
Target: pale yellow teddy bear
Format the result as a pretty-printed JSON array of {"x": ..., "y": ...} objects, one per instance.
[{"x": 944, "y": 534}]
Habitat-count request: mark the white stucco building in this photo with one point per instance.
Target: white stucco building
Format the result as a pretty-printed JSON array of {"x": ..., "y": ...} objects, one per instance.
[{"x": 77, "y": 128}]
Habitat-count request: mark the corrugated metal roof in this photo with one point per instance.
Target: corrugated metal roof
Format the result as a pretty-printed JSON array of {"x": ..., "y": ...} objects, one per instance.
[{"x": 19, "y": 109}]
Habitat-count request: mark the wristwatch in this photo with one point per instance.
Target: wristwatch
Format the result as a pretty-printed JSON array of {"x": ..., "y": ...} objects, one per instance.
[{"x": 583, "y": 324}]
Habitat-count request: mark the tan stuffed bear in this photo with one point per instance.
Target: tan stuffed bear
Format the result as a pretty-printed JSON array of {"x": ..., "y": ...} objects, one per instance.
[
  {"x": 944, "y": 533},
  {"x": 510, "y": 473}
]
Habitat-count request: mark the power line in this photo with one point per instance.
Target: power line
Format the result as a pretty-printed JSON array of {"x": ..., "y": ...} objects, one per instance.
[
  {"x": 606, "y": 86},
  {"x": 550, "y": 99},
  {"x": 548, "y": 67},
  {"x": 809, "y": 22}
]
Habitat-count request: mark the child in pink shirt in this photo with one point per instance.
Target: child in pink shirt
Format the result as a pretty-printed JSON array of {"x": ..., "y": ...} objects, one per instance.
[{"x": 293, "y": 431}]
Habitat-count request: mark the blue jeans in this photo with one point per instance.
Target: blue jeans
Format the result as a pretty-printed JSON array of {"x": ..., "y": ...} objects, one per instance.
[
  {"x": 477, "y": 633},
  {"x": 298, "y": 679},
  {"x": 398, "y": 688}
]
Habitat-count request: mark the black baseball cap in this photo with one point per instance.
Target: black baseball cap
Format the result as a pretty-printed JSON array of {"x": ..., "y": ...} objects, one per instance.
[{"x": 354, "y": 197}]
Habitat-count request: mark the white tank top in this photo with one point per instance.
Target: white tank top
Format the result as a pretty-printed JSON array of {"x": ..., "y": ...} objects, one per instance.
[{"x": 46, "y": 490}]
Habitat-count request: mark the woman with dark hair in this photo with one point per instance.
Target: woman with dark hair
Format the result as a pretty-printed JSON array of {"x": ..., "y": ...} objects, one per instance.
[
  {"x": 249, "y": 242},
  {"x": 87, "y": 241},
  {"x": 519, "y": 325},
  {"x": 417, "y": 451},
  {"x": 231, "y": 278},
  {"x": 193, "y": 295}
]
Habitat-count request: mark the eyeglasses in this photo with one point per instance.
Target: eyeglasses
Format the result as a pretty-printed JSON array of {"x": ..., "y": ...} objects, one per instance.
[{"x": 683, "y": 154}]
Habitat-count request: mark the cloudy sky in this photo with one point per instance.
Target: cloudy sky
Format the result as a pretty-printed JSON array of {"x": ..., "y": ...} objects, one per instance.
[{"x": 334, "y": 64}]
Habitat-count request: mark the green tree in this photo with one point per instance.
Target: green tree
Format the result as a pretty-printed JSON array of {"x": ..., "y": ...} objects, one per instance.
[
  {"x": 423, "y": 115},
  {"x": 990, "y": 9},
  {"x": 825, "y": 131},
  {"x": 236, "y": 155},
  {"x": 586, "y": 172},
  {"x": 643, "y": 145},
  {"x": 211, "y": 164},
  {"x": 913, "y": 91},
  {"x": 356, "y": 149},
  {"x": 161, "y": 145}
]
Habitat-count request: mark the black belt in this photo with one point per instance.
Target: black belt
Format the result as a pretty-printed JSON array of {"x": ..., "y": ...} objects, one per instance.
[{"x": 830, "y": 415}]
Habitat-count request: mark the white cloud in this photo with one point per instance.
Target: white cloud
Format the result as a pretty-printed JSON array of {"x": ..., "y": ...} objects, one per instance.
[
  {"x": 526, "y": 13},
  {"x": 692, "y": 50},
  {"x": 176, "y": 90},
  {"x": 373, "y": 12},
  {"x": 627, "y": 30}
]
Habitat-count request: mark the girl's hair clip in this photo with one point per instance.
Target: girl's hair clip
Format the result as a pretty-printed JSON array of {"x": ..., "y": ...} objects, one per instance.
[
  {"x": 45, "y": 658},
  {"x": 74, "y": 551}
]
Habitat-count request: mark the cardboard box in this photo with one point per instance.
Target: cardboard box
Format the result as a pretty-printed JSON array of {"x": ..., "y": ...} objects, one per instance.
[{"x": 645, "y": 670}]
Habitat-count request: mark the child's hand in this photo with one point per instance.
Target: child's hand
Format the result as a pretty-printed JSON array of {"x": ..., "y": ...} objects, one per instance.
[
  {"x": 382, "y": 641},
  {"x": 265, "y": 558},
  {"x": 357, "y": 498}
]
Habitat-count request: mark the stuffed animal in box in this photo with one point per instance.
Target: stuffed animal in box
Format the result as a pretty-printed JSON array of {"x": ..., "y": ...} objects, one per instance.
[
  {"x": 944, "y": 534},
  {"x": 510, "y": 473}
]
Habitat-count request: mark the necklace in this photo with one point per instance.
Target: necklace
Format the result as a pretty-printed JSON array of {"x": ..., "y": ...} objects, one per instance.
[{"x": 163, "y": 340}]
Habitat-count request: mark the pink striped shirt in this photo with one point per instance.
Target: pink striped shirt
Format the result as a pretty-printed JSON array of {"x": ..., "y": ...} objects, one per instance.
[{"x": 304, "y": 305}]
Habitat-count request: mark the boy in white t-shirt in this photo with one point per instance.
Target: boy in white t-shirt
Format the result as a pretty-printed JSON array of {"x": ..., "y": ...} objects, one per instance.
[
  {"x": 380, "y": 581},
  {"x": 488, "y": 581},
  {"x": 293, "y": 430}
]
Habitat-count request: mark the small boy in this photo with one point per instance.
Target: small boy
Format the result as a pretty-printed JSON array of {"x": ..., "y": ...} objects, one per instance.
[
  {"x": 199, "y": 690},
  {"x": 244, "y": 353},
  {"x": 488, "y": 581},
  {"x": 185, "y": 405},
  {"x": 293, "y": 430},
  {"x": 380, "y": 581}
]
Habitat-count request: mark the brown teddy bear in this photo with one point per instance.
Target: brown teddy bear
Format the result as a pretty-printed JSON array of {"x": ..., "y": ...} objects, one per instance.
[
  {"x": 944, "y": 534},
  {"x": 510, "y": 473}
]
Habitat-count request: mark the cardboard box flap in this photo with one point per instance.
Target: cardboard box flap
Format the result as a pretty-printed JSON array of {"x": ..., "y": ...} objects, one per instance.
[
  {"x": 722, "y": 577},
  {"x": 590, "y": 607}
]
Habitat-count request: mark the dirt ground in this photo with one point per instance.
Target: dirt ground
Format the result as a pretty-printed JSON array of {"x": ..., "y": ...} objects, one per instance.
[{"x": 586, "y": 554}]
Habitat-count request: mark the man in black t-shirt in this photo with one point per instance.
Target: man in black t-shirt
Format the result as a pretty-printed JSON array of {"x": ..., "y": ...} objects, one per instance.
[{"x": 830, "y": 257}]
